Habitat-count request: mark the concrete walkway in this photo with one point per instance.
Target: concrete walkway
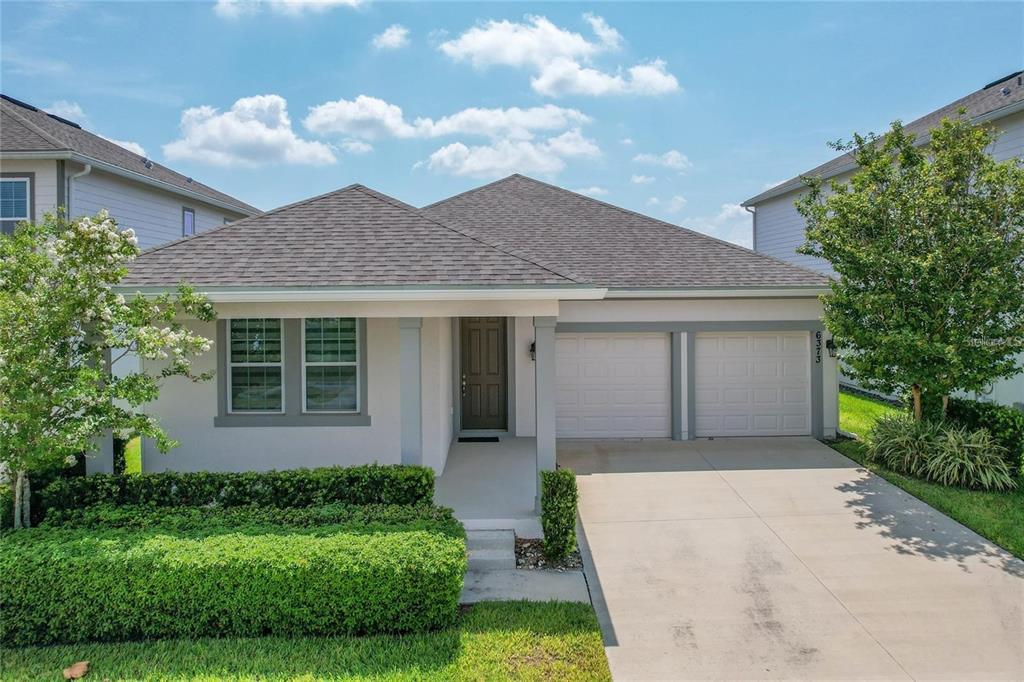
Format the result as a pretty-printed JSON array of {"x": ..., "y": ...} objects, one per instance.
[
  {"x": 492, "y": 574},
  {"x": 781, "y": 559}
]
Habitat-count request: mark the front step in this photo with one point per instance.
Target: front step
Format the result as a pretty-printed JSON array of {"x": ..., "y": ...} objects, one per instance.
[{"x": 491, "y": 550}]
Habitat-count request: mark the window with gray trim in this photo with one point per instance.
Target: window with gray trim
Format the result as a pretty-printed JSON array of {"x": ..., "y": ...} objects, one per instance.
[
  {"x": 188, "y": 222},
  {"x": 255, "y": 366},
  {"x": 15, "y": 203},
  {"x": 330, "y": 364}
]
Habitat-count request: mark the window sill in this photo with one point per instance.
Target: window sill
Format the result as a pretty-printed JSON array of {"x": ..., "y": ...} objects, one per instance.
[{"x": 262, "y": 420}]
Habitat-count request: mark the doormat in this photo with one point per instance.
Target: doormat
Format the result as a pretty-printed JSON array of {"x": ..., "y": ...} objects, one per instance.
[{"x": 478, "y": 439}]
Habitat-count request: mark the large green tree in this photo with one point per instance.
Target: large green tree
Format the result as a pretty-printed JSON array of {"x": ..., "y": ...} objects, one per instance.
[
  {"x": 927, "y": 241},
  {"x": 63, "y": 328}
]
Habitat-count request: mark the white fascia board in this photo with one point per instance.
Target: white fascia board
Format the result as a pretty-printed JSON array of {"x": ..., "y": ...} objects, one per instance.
[
  {"x": 130, "y": 175},
  {"x": 774, "y": 292},
  {"x": 313, "y": 295}
]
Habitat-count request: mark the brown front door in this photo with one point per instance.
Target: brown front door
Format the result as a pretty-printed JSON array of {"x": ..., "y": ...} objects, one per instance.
[{"x": 484, "y": 373}]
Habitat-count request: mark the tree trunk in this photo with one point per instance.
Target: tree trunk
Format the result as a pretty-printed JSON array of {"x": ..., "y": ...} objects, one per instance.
[
  {"x": 916, "y": 392},
  {"x": 17, "y": 499},
  {"x": 26, "y": 502},
  {"x": 945, "y": 406}
]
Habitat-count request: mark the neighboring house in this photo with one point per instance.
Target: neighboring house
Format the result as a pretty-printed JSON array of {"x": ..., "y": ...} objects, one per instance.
[
  {"x": 355, "y": 328},
  {"x": 48, "y": 162},
  {"x": 779, "y": 229}
]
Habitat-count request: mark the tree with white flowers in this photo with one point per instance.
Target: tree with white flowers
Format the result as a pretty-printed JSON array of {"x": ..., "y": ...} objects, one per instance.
[{"x": 62, "y": 329}]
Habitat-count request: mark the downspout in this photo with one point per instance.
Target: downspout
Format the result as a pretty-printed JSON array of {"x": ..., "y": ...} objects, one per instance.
[
  {"x": 71, "y": 180},
  {"x": 753, "y": 225}
]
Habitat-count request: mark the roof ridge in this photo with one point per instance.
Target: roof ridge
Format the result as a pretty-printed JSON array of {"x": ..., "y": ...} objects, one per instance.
[
  {"x": 658, "y": 221},
  {"x": 235, "y": 223},
  {"x": 466, "y": 233},
  {"x": 11, "y": 110},
  {"x": 472, "y": 190}
]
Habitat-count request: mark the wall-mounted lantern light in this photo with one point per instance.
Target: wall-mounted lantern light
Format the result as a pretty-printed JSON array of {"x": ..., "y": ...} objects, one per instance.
[
  {"x": 830, "y": 345},
  {"x": 533, "y": 351}
]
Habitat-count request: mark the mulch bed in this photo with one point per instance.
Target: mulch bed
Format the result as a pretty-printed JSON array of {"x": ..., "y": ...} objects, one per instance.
[{"x": 530, "y": 556}]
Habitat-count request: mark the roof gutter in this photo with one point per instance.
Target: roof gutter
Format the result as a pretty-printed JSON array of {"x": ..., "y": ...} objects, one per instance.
[
  {"x": 131, "y": 175},
  {"x": 317, "y": 295},
  {"x": 739, "y": 292},
  {"x": 797, "y": 182}
]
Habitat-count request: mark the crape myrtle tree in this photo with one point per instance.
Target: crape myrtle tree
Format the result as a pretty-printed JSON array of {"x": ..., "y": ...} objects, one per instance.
[
  {"x": 928, "y": 246},
  {"x": 63, "y": 328}
]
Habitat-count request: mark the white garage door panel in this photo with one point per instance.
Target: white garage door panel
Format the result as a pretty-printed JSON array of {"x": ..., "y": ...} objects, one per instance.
[
  {"x": 755, "y": 384},
  {"x": 612, "y": 386}
]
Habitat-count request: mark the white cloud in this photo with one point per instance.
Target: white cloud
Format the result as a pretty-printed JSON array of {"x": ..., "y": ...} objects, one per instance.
[
  {"x": 675, "y": 204},
  {"x": 642, "y": 179},
  {"x": 255, "y": 131},
  {"x": 133, "y": 147},
  {"x": 356, "y": 146},
  {"x": 593, "y": 191},
  {"x": 394, "y": 37},
  {"x": 627, "y": 141},
  {"x": 768, "y": 185},
  {"x": 653, "y": 201},
  {"x": 732, "y": 223},
  {"x": 68, "y": 110},
  {"x": 560, "y": 58},
  {"x": 670, "y": 159},
  {"x": 232, "y": 9},
  {"x": 371, "y": 117},
  {"x": 505, "y": 156}
]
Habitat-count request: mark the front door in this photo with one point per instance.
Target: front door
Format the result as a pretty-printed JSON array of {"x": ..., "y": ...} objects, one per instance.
[{"x": 484, "y": 373}]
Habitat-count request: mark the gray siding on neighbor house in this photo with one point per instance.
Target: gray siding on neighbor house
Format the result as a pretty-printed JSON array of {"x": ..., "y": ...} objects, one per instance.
[{"x": 155, "y": 215}]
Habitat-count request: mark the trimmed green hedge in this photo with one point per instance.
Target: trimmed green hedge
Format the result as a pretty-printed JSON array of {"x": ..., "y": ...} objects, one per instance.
[
  {"x": 367, "y": 484},
  {"x": 369, "y": 518},
  {"x": 558, "y": 496},
  {"x": 1006, "y": 425},
  {"x": 87, "y": 584}
]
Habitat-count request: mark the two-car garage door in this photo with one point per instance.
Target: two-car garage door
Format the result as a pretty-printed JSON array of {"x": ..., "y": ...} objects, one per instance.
[{"x": 618, "y": 385}]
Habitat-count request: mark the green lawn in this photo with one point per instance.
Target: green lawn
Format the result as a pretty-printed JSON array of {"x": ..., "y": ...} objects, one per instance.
[
  {"x": 996, "y": 516},
  {"x": 491, "y": 641},
  {"x": 133, "y": 456}
]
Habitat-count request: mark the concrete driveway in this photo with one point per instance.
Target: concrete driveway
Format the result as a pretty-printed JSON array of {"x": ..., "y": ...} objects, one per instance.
[{"x": 778, "y": 558}]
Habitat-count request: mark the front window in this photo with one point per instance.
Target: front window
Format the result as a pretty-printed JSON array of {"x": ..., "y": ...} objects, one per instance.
[
  {"x": 330, "y": 364},
  {"x": 255, "y": 365},
  {"x": 14, "y": 203},
  {"x": 188, "y": 222}
]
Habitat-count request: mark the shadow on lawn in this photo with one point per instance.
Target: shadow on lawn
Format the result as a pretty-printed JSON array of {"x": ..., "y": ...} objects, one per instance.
[{"x": 917, "y": 529}]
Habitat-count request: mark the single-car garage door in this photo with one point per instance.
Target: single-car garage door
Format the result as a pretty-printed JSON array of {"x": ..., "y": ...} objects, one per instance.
[
  {"x": 753, "y": 384},
  {"x": 612, "y": 386}
]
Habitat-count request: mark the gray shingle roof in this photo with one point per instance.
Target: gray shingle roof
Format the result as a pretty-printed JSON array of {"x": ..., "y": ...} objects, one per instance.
[
  {"x": 350, "y": 237},
  {"x": 23, "y": 128},
  {"x": 605, "y": 245},
  {"x": 992, "y": 98}
]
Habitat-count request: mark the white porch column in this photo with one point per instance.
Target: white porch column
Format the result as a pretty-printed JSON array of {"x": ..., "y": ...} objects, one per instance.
[
  {"x": 411, "y": 389},
  {"x": 544, "y": 367}
]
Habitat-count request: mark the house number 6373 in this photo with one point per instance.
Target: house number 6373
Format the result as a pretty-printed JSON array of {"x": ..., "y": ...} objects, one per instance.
[{"x": 817, "y": 348}]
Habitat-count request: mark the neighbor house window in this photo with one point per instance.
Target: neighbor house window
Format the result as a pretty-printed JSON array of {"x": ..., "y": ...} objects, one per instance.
[
  {"x": 330, "y": 364},
  {"x": 255, "y": 367},
  {"x": 188, "y": 222},
  {"x": 14, "y": 203}
]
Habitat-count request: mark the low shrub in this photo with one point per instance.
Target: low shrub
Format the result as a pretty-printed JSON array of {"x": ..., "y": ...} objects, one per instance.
[
  {"x": 369, "y": 518},
  {"x": 942, "y": 452},
  {"x": 73, "y": 585},
  {"x": 969, "y": 459},
  {"x": 1006, "y": 424},
  {"x": 558, "y": 512},
  {"x": 367, "y": 484},
  {"x": 902, "y": 444}
]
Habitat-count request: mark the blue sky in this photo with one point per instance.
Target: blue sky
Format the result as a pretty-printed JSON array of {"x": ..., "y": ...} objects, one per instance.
[{"x": 678, "y": 110}]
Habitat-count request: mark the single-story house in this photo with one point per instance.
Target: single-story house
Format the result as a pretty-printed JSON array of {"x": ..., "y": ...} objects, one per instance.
[{"x": 355, "y": 328}]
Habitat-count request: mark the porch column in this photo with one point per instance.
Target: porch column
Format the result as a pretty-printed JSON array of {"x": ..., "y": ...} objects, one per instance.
[
  {"x": 544, "y": 367},
  {"x": 411, "y": 389}
]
